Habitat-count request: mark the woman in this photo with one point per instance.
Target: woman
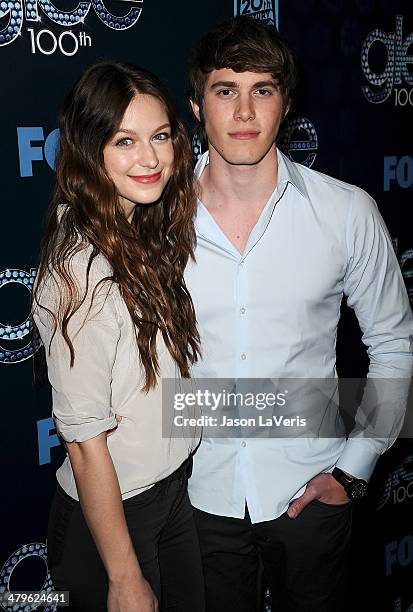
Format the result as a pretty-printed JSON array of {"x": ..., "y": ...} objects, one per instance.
[{"x": 114, "y": 315}]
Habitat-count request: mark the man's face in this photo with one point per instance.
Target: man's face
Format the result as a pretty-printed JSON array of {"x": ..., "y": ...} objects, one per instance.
[{"x": 242, "y": 112}]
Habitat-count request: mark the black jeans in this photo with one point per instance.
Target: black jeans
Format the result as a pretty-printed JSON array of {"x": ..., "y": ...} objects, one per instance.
[
  {"x": 161, "y": 526},
  {"x": 304, "y": 561}
]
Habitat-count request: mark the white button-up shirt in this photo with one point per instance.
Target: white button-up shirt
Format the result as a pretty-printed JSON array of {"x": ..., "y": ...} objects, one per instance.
[
  {"x": 106, "y": 380},
  {"x": 273, "y": 312}
]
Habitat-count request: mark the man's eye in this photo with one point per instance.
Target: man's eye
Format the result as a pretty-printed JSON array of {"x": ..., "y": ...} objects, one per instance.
[
  {"x": 264, "y": 92},
  {"x": 124, "y": 142},
  {"x": 224, "y": 92}
]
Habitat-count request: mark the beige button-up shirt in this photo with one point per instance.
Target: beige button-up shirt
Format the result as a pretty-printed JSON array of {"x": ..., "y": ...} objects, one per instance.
[{"x": 106, "y": 380}]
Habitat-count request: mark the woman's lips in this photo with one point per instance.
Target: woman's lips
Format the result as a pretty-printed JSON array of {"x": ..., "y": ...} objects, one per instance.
[
  {"x": 147, "y": 178},
  {"x": 244, "y": 135}
]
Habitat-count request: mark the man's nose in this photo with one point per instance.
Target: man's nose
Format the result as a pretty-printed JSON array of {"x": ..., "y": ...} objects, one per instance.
[{"x": 244, "y": 110}]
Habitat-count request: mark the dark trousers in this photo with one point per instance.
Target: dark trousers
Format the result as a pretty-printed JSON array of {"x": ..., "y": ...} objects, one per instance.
[
  {"x": 161, "y": 526},
  {"x": 304, "y": 561}
]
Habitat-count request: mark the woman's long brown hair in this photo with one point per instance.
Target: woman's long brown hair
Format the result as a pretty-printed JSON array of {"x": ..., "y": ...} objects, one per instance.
[{"x": 148, "y": 256}]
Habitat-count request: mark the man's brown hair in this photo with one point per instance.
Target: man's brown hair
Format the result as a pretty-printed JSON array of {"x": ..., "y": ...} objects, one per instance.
[{"x": 242, "y": 44}]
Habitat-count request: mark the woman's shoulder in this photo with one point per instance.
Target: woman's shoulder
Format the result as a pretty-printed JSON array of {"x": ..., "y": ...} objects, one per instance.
[
  {"x": 82, "y": 272},
  {"x": 82, "y": 255},
  {"x": 84, "y": 258}
]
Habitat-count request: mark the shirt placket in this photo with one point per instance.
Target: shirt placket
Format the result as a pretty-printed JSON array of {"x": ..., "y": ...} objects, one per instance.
[
  {"x": 241, "y": 317},
  {"x": 242, "y": 365}
]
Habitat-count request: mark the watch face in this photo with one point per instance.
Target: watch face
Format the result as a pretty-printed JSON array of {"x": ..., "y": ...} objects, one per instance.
[{"x": 357, "y": 489}]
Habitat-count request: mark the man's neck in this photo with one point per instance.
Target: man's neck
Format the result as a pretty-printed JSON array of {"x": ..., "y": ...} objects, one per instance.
[
  {"x": 227, "y": 186},
  {"x": 236, "y": 195}
]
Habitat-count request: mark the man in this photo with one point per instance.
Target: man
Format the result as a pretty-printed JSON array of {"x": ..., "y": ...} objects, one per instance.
[{"x": 278, "y": 245}]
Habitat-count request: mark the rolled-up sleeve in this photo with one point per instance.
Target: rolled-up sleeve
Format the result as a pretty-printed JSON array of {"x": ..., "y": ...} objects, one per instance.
[{"x": 82, "y": 407}]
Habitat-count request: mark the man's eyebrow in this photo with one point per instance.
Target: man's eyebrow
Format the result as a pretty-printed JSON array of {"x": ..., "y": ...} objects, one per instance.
[
  {"x": 270, "y": 83},
  {"x": 235, "y": 85},
  {"x": 230, "y": 84}
]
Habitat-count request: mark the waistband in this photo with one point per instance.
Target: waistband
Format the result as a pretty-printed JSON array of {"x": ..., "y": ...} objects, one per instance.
[{"x": 183, "y": 472}]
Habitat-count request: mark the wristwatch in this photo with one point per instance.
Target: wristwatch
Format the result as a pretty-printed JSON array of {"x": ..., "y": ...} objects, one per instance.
[{"x": 354, "y": 487}]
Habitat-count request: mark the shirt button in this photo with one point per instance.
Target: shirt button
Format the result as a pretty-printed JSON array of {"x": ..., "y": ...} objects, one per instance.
[
  {"x": 243, "y": 356},
  {"x": 243, "y": 311},
  {"x": 243, "y": 444},
  {"x": 241, "y": 263}
]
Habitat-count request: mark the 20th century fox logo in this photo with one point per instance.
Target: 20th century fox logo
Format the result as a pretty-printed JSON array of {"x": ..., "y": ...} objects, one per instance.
[{"x": 263, "y": 10}]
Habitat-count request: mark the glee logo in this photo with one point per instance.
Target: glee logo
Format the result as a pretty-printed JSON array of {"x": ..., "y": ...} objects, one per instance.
[
  {"x": 32, "y": 551},
  {"x": 398, "y": 485},
  {"x": 396, "y": 68},
  {"x": 18, "y": 348},
  {"x": 299, "y": 141},
  {"x": 15, "y": 10}
]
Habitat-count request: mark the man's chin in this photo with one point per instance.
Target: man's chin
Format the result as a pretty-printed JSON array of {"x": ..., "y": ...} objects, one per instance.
[
  {"x": 247, "y": 161},
  {"x": 244, "y": 158}
]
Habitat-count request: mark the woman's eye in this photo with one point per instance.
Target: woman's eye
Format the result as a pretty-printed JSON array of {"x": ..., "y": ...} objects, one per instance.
[
  {"x": 162, "y": 136},
  {"x": 124, "y": 142}
]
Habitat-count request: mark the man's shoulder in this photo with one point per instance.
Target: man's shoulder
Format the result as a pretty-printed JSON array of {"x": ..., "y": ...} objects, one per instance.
[
  {"x": 330, "y": 195},
  {"x": 314, "y": 179}
]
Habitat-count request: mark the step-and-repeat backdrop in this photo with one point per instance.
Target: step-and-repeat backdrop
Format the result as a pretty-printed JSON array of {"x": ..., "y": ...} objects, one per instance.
[{"x": 353, "y": 121}]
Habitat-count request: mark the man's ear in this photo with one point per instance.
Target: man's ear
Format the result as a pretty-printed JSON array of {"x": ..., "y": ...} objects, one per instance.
[{"x": 195, "y": 109}]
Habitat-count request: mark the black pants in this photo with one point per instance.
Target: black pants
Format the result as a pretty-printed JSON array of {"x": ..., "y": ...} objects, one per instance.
[
  {"x": 304, "y": 561},
  {"x": 161, "y": 526}
]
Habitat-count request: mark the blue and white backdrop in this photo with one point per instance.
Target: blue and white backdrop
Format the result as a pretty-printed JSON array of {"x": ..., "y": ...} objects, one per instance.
[{"x": 353, "y": 121}]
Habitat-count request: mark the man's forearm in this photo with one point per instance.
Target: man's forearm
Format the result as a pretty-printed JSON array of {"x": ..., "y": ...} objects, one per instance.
[{"x": 378, "y": 422}]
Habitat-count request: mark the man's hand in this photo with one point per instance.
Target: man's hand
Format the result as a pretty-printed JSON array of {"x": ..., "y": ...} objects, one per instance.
[{"x": 323, "y": 487}]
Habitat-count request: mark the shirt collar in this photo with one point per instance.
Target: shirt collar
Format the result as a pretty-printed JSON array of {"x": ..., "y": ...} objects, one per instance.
[{"x": 288, "y": 172}]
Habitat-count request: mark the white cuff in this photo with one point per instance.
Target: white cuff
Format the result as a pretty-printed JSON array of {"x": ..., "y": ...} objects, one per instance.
[
  {"x": 358, "y": 458},
  {"x": 80, "y": 432}
]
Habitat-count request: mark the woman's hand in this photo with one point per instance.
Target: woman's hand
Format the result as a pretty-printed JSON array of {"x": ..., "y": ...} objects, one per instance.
[
  {"x": 101, "y": 502},
  {"x": 132, "y": 594},
  {"x": 111, "y": 431}
]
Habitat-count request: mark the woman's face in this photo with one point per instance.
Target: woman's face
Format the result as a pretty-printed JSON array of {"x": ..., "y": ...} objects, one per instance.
[{"x": 139, "y": 157}]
